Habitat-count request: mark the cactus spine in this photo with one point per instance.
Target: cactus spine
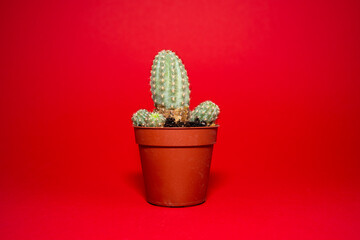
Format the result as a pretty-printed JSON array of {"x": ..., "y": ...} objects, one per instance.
[
  {"x": 155, "y": 120},
  {"x": 206, "y": 111},
  {"x": 140, "y": 117},
  {"x": 170, "y": 86}
]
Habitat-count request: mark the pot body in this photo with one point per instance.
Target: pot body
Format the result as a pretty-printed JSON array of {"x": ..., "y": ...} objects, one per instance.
[{"x": 176, "y": 164}]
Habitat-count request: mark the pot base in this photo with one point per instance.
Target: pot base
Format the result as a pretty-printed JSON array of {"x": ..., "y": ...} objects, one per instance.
[{"x": 191, "y": 204}]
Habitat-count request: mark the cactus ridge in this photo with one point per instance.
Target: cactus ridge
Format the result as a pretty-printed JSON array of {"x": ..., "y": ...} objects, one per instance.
[
  {"x": 140, "y": 117},
  {"x": 169, "y": 81},
  {"x": 155, "y": 120},
  {"x": 206, "y": 111}
]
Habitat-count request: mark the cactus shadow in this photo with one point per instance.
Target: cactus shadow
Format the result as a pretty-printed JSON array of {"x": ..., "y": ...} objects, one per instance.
[{"x": 135, "y": 180}]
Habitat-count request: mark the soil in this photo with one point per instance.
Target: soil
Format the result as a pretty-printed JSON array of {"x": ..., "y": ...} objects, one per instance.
[{"x": 170, "y": 122}]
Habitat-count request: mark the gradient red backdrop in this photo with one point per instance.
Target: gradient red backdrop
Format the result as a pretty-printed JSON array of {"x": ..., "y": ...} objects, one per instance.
[{"x": 286, "y": 75}]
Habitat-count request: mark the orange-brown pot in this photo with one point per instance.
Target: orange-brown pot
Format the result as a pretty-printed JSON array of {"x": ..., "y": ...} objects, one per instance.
[{"x": 176, "y": 163}]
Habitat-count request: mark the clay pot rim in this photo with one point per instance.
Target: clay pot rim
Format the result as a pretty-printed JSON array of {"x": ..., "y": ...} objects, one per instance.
[{"x": 175, "y": 128}]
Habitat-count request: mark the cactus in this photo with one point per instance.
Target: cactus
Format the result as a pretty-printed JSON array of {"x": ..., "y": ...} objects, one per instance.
[
  {"x": 140, "y": 117},
  {"x": 171, "y": 95},
  {"x": 170, "y": 86},
  {"x": 155, "y": 120},
  {"x": 206, "y": 111}
]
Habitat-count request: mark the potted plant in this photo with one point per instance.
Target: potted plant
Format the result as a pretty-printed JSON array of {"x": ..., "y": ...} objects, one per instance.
[{"x": 175, "y": 143}]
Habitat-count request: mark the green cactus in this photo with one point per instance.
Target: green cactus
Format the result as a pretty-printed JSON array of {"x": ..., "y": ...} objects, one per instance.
[
  {"x": 170, "y": 86},
  {"x": 170, "y": 91},
  {"x": 140, "y": 117},
  {"x": 206, "y": 111},
  {"x": 155, "y": 120}
]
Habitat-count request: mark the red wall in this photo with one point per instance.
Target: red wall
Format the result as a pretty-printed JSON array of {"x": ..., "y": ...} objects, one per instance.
[{"x": 286, "y": 75}]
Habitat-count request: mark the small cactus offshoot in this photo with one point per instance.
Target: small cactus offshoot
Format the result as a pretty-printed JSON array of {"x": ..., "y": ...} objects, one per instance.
[
  {"x": 206, "y": 111},
  {"x": 155, "y": 120},
  {"x": 140, "y": 117}
]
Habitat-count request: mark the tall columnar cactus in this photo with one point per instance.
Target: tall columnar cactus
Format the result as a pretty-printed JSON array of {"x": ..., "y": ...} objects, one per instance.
[
  {"x": 140, "y": 117},
  {"x": 155, "y": 120},
  {"x": 206, "y": 111},
  {"x": 170, "y": 86}
]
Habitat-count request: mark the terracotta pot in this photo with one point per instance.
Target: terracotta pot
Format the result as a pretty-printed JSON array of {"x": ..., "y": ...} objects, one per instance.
[{"x": 176, "y": 163}]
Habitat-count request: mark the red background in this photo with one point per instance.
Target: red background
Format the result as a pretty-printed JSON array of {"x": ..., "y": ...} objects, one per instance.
[{"x": 284, "y": 73}]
